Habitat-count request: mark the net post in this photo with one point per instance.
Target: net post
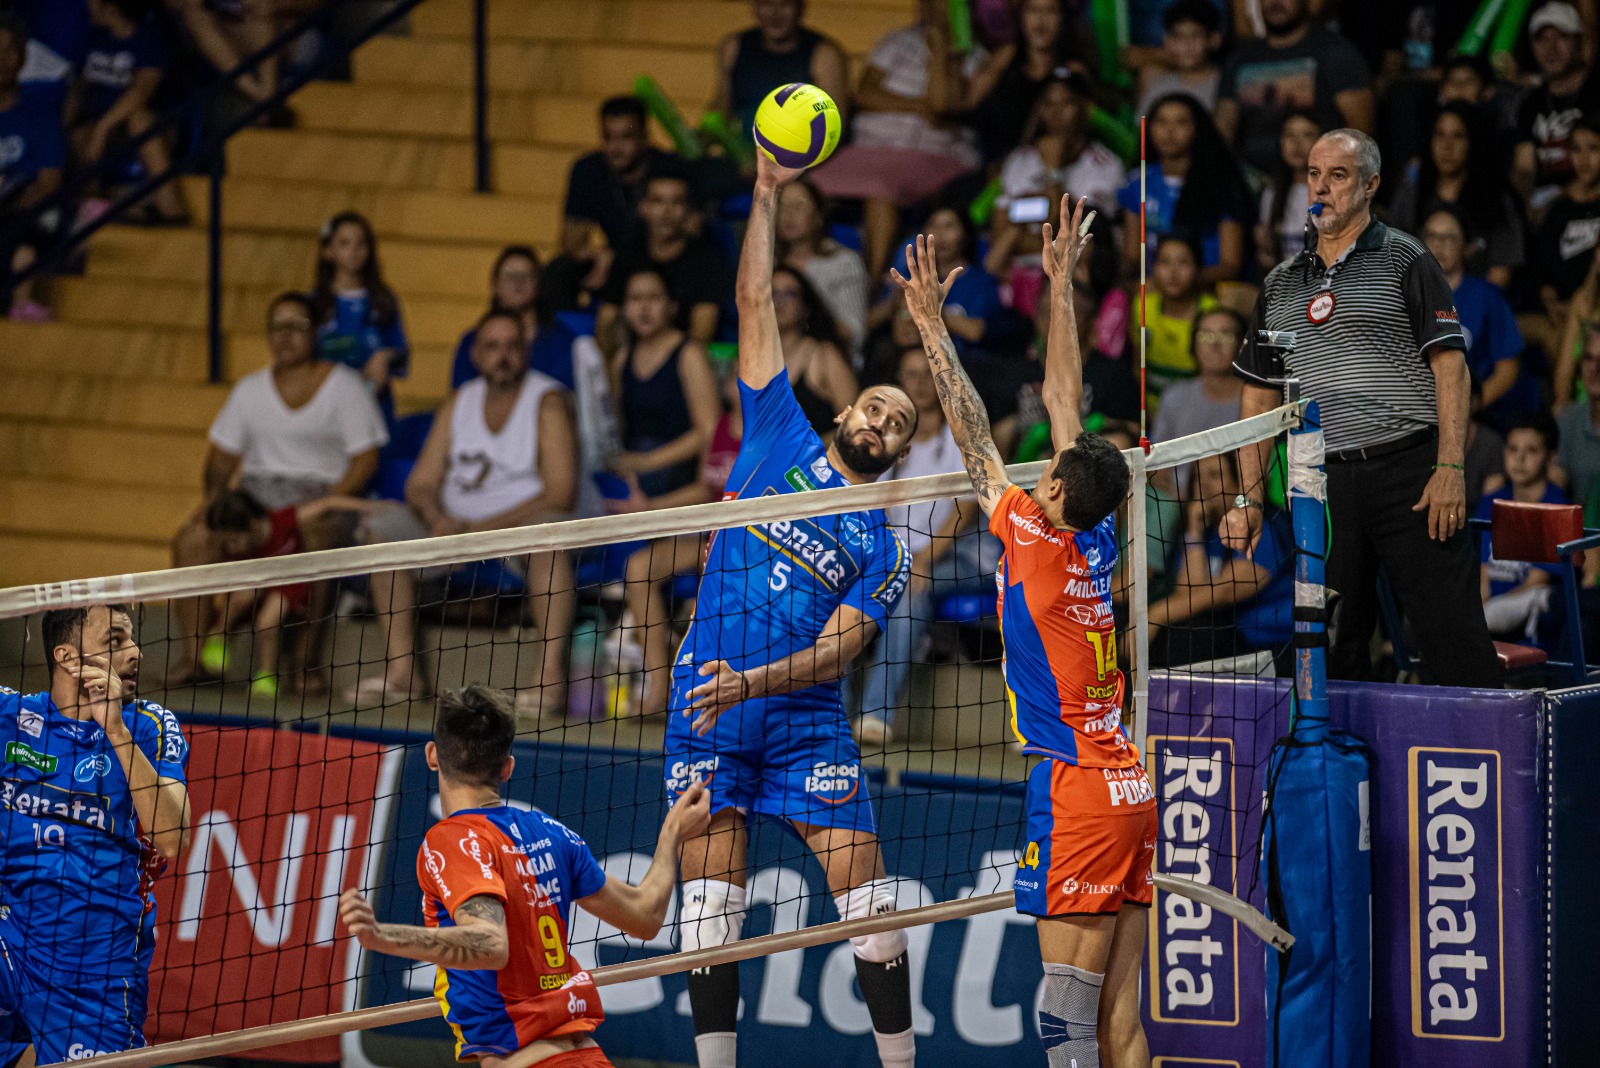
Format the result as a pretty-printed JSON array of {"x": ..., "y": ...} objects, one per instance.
[
  {"x": 1139, "y": 595},
  {"x": 1308, "y": 501}
]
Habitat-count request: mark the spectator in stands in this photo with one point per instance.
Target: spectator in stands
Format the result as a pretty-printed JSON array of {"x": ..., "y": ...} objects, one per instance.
[
  {"x": 1580, "y": 423},
  {"x": 502, "y": 453},
  {"x": 822, "y": 379},
  {"x": 1565, "y": 247},
  {"x": 1298, "y": 65},
  {"x": 666, "y": 393},
  {"x": 834, "y": 271},
  {"x": 906, "y": 144},
  {"x": 242, "y": 528},
  {"x": 357, "y": 314},
  {"x": 1194, "y": 189},
  {"x": 1281, "y": 222},
  {"x": 1494, "y": 344},
  {"x": 123, "y": 67},
  {"x": 297, "y": 431},
  {"x": 604, "y": 188},
  {"x": 1191, "y": 37},
  {"x": 1461, "y": 171},
  {"x": 950, "y": 555},
  {"x": 693, "y": 271},
  {"x": 516, "y": 285},
  {"x": 1164, "y": 522},
  {"x": 57, "y": 34},
  {"x": 1003, "y": 92},
  {"x": 777, "y": 50},
  {"x": 1210, "y": 400},
  {"x": 1548, "y": 114},
  {"x": 227, "y": 31},
  {"x": 1058, "y": 155},
  {"x": 1225, "y": 603},
  {"x": 1173, "y": 302},
  {"x": 1465, "y": 79},
  {"x": 650, "y": 568},
  {"x": 1581, "y": 309},
  {"x": 1516, "y": 593},
  {"x": 32, "y": 155}
]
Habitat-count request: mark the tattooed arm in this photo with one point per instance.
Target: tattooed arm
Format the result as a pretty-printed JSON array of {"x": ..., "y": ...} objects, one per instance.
[
  {"x": 478, "y": 940},
  {"x": 969, "y": 421},
  {"x": 1063, "y": 368}
]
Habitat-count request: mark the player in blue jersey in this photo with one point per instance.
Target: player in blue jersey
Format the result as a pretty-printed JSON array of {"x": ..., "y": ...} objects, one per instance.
[
  {"x": 755, "y": 713},
  {"x": 93, "y": 803}
]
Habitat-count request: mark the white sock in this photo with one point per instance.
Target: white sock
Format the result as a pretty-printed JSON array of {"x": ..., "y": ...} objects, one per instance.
[
  {"x": 897, "y": 1051},
  {"x": 719, "y": 1049}
]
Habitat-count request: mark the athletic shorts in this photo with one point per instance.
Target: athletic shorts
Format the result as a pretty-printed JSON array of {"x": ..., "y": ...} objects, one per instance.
[
  {"x": 67, "y": 1016},
  {"x": 1091, "y": 840},
  {"x": 790, "y": 759},
  {"x": 588, "y": 1057}
]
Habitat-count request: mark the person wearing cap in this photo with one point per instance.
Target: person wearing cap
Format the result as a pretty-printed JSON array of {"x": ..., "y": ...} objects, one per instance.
[
  {"x": 1376, "y": 341},
  {"x": 1567, "y": 91}
]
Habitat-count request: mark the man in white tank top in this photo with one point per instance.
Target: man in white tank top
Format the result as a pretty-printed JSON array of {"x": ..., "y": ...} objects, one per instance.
[{"x": 502, "y": 453}]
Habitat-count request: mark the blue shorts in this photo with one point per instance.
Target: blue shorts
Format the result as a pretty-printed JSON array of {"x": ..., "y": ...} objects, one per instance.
[
  {"x": 67, "y": 1016},
  {"x": 792, "y": 758}
]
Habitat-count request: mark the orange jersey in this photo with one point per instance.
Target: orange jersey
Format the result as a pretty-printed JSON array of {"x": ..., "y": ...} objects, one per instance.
[
  {"x": 536, "y": 868},
  {"x": 1062, "y": 679}
]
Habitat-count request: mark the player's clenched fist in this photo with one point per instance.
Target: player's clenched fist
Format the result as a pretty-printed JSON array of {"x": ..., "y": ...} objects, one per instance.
[
  {"x": 355, "y": 912},
  {"x": 691, "y": 812}
]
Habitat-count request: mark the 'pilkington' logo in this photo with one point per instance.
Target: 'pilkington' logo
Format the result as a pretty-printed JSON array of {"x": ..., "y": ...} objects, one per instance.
[
  {"x": 29, "y": 757},
  {"x": 1457, "y": 934}
]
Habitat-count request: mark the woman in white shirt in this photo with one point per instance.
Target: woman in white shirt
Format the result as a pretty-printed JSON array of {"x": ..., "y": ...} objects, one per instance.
[{"x": 298, "y": 430}]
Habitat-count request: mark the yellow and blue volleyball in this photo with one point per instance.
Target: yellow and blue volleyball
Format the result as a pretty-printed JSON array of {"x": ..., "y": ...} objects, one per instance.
[{"x": 797, "y": 125}]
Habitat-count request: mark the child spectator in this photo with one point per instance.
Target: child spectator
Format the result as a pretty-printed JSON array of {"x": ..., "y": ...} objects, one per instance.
[
  {"x": 121, "y": 71},
  {"x": 1465, "y": 79},
  {"x": 693, "y": 271},
  {"x": 1192, "y": 34},
  {"x": 1002, "y": 94},
  {"x": 1194, "y": 188},
  {"x": 836, "y": 272},
  {"x": 1213, "y": 398},
  {"x": 905, "y": 143},
  {"x": 1565, "y": 246},
  {"x": 777, "y": 50},
  {"x": 666, "y": 392},
  {"x": 32, "y": 155},
  {"x": 1281, "y": 223},
  {"x": 1462, "y": 171},
  {"x": 1300, "y": 65},
  {"x": 823, "y": 383},
  {"x": 1494, "y": 344},
  {"x": 240, "y": 527},
  {"x": 1515, "y": 593},
  {"x": 1171, "y": 306},
  {"x": 357, "y": 315}
]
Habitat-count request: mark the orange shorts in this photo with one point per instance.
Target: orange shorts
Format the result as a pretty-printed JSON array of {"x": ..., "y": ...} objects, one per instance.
[
  {"x": 588, "y": 1057},
  {"x": 1091, "y": 840}
]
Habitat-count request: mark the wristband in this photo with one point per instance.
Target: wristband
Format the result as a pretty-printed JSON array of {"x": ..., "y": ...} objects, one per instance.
[{"x": 1452, "y": 467}]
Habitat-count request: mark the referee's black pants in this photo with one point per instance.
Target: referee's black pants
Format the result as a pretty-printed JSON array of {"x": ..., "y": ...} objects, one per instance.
[{"x": 1436, "y": 583}]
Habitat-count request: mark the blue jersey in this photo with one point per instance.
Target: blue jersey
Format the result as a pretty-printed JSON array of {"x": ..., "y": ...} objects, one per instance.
[
  {"x": 769, "y": 588},
  {"x": 76, "y": 869}
]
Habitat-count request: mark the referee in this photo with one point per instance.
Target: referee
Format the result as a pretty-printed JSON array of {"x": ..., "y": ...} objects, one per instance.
[{"x": 1378, "y": 344}]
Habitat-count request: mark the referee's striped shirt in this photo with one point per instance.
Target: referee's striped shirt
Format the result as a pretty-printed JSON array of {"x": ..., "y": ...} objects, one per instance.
[{"x": 1363, "y": 329}]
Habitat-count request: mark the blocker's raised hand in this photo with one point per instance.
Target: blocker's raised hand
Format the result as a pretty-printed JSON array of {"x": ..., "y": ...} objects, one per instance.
[
  {"x": 1063, "y": 250},
  {"x": 924, "y": 292}
]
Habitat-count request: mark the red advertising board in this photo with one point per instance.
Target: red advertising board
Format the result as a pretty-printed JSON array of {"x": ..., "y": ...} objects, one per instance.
[{"x": 247, "y": 922}]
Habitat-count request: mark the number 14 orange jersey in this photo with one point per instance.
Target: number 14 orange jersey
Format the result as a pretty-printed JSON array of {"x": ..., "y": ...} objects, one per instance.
[{"x": 1062, "y": 681}]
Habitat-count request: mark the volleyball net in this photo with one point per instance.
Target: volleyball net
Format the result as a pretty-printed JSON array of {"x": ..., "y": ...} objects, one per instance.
[{"x": 302, "y": 687}]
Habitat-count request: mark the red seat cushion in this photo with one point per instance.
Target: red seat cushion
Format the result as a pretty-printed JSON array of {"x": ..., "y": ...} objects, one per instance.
[{"x": 1514, "y": 656}]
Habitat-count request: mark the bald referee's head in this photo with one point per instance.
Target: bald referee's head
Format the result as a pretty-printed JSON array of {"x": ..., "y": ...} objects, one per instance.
[
  {"x": 1342, "y": 176},
  {"x": 1086, "y": 483}
]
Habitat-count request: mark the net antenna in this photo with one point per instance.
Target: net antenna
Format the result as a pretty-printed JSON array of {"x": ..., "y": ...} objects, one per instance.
[
  {"x": 272, "y": 572},
  {"x": 1144, "y": 329}
]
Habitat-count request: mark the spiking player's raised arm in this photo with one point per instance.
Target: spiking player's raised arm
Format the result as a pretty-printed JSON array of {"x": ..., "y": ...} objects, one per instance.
[
  {"x": 760, "y": 349},
  {"x": 1063, "y": 369},
  {"x": 969, "y": 420}
]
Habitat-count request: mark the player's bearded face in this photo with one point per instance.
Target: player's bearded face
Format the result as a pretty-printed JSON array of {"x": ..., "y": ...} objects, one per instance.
[{"x": 863, "y": 447}]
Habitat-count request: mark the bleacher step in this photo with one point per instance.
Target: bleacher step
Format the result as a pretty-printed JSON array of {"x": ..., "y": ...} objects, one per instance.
[
  {"x": 29, "y": 558},
  {"x": 132, "y": 457}
]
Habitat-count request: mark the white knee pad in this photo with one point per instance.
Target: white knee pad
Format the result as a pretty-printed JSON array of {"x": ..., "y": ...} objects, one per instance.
[
  {"x": 711, "y": 913},
  {"x": 872, "y": 899}
]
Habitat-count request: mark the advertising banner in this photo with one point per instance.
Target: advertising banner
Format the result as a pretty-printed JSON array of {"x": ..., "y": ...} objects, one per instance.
[
  {"x": 247, "y": 929},
  {"x": 1456, "y": 819}
]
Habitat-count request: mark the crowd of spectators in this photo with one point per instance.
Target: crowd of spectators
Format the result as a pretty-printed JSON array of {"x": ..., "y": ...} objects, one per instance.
[{"x": 1495, "y": 167}]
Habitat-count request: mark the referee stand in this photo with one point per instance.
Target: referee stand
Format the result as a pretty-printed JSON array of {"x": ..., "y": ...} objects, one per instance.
[{"x": 1316, "y": 859}]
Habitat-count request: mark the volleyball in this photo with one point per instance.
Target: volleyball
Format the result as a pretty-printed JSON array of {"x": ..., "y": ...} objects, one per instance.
[{"x": 797, "y": 125}]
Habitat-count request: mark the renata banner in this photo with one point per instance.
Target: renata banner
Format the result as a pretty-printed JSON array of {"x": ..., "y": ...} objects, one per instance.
[{"x": 247, "y": 918}]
